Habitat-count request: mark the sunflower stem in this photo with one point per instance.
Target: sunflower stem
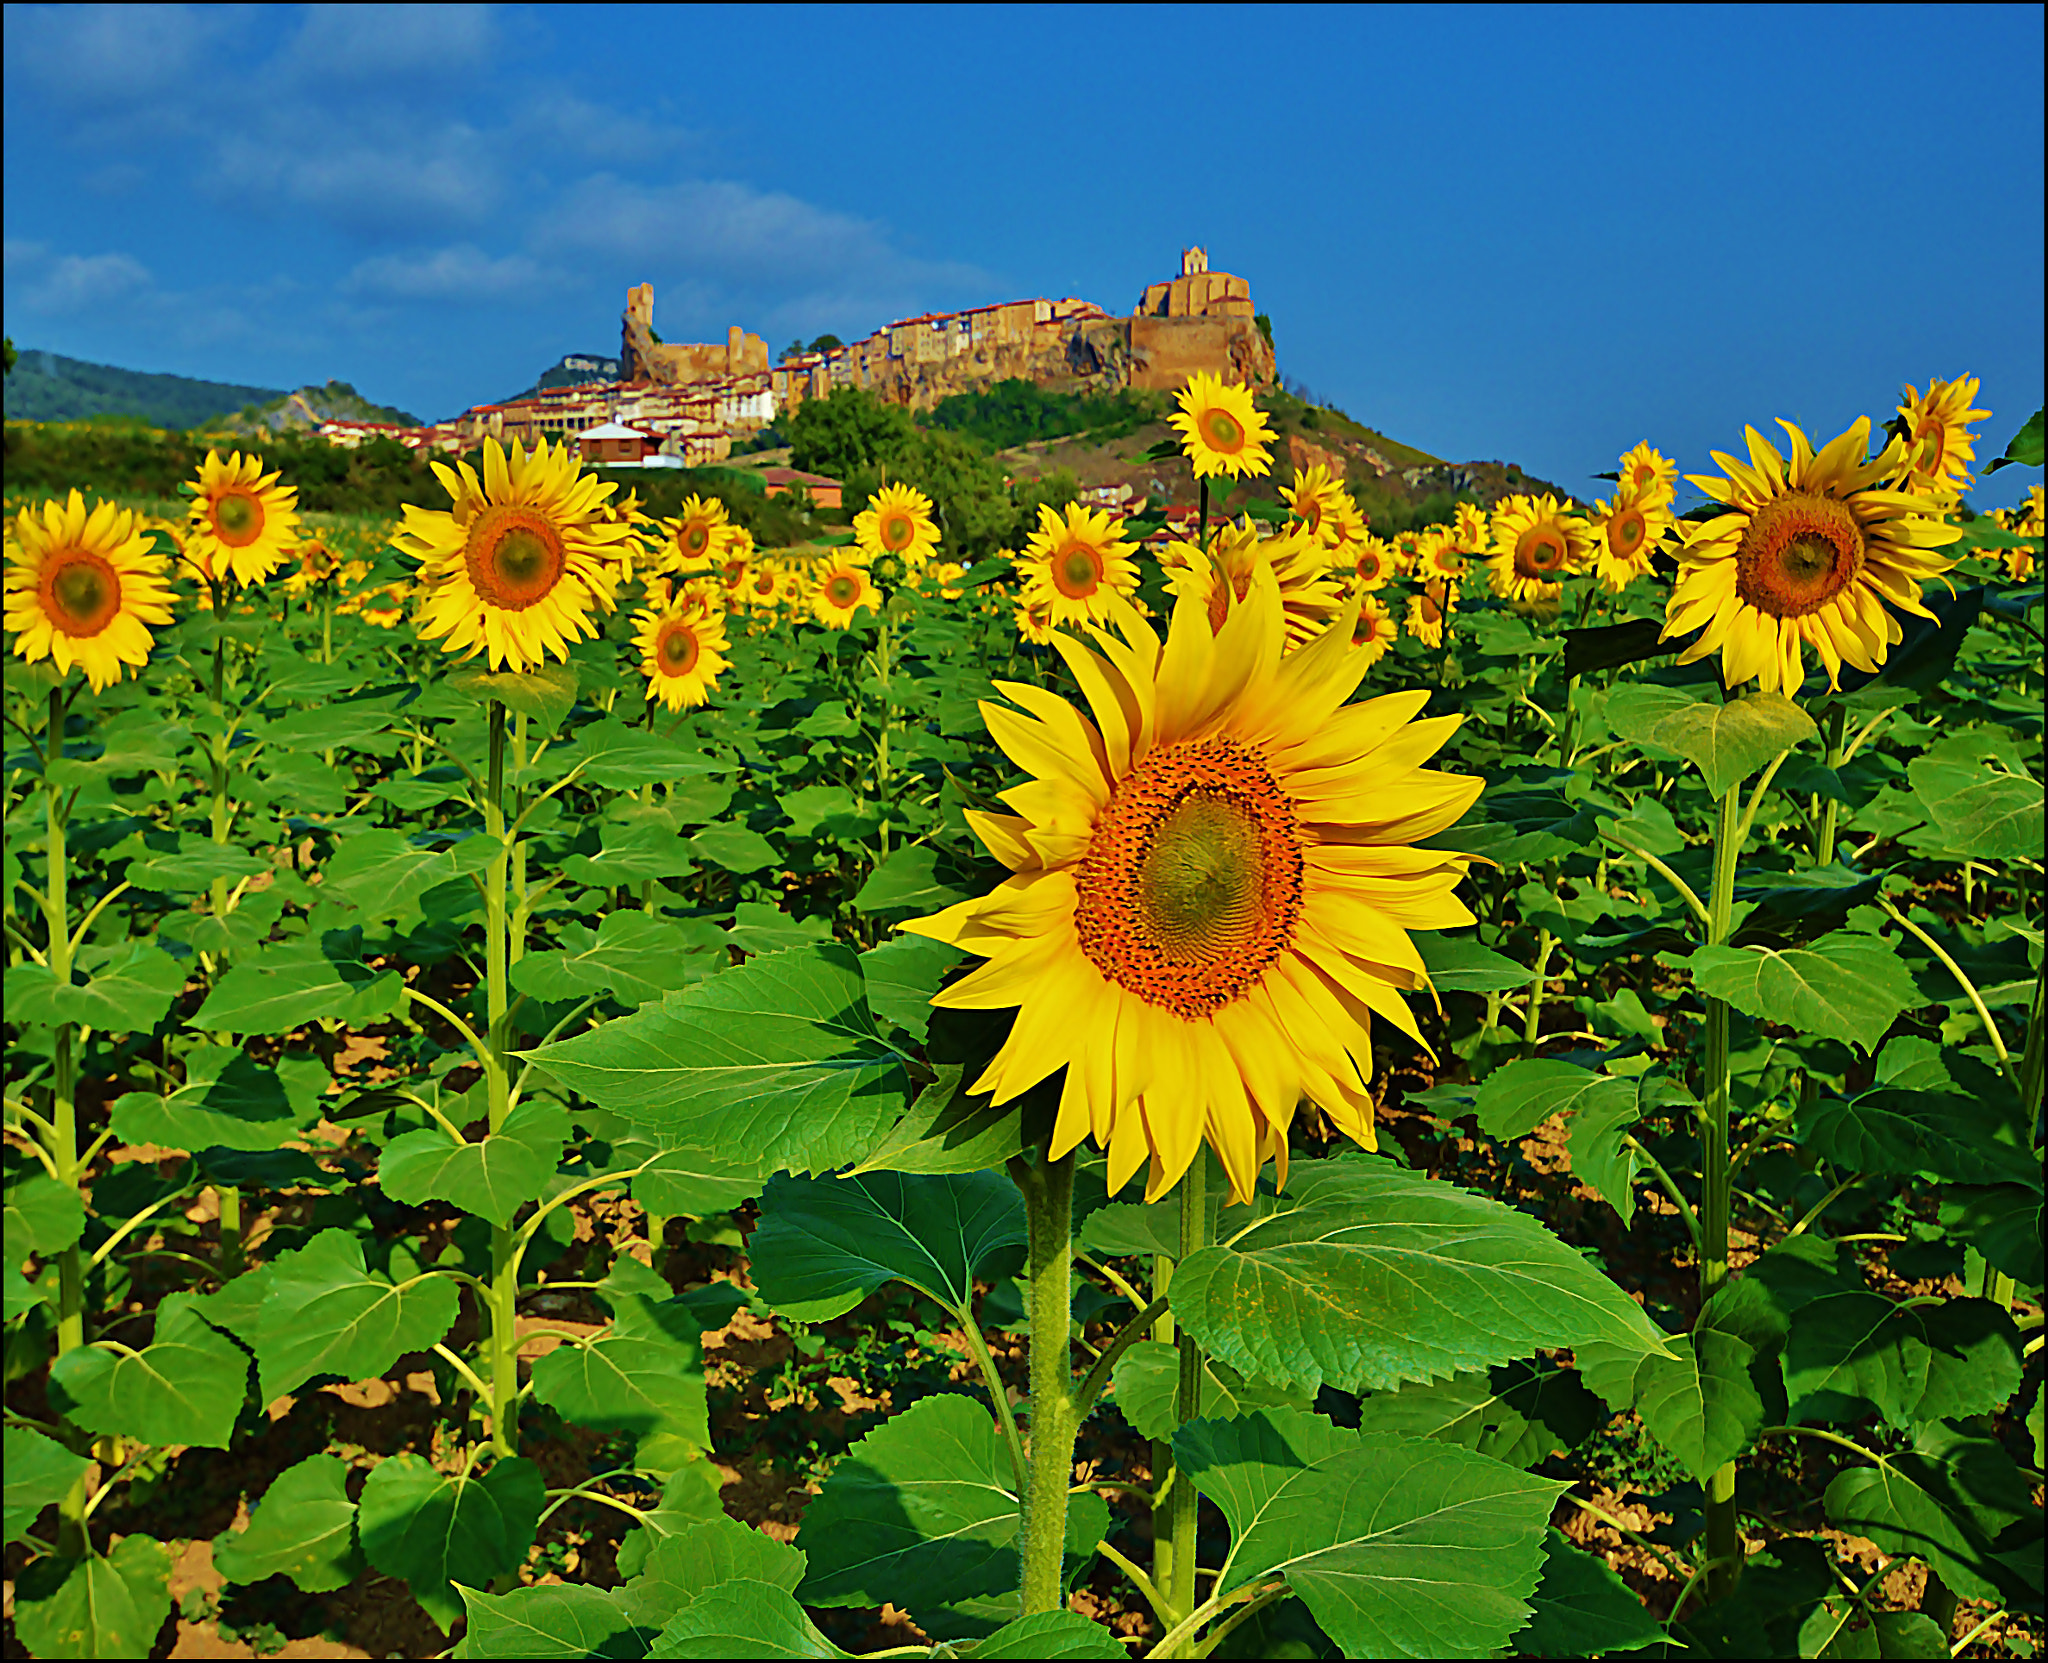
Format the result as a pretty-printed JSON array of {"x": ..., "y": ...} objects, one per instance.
[
  {"x": 1824, "y": 844},
  {"x": 1724, "y": 1535},
  {"x": 1531, "y": 1024},
  {"x": 1194, "y": 1236},
  {"x": 1162, "y": 1448},
  {"x": 1048, "y": 1188},
  {"x": 501, "y": 1311}
]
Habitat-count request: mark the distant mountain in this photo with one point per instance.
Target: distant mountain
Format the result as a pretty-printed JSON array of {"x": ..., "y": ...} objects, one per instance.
[
  {"x": 574, "y": 369},
  {"x": 48, "y": 387},
  {"x": 309, "y": 407}
]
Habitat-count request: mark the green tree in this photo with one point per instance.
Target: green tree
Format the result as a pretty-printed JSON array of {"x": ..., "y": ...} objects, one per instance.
[
  {"x": 9, "y": 342},
  {"x": 848, "y": 432},
  {"x": 825, "y": 343}
]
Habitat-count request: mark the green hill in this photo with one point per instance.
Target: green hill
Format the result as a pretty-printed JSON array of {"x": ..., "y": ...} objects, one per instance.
[{"x": 48, "y": 387}]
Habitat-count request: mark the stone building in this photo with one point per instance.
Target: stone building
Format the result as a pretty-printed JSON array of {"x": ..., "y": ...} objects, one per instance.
[{"x": 643, "y": 358}]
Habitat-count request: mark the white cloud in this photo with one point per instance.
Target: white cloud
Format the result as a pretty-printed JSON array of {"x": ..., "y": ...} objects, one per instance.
[
  {"x": 394, "y": 185},
  {"x": 94, "y": 53},
  {"x": 365, "y": 40},
  {"x": 41, "y": 281},
  {"x": 462, "y": 272}
]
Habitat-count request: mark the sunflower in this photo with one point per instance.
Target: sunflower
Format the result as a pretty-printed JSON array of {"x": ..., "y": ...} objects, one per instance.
[
  {"x": 897, "y": 521},
  {"x": 1318, "y": 499},
  {"x": 1811, "y": 550},
  {"x": 1407, "y": 545},
  {"x": 1537, "y": 541},
  {"x": 383, "y": 607},
  {"x": 1939, "y": 443},
  {"x": 1075, "y": 562},
  {"x": 1034, "y": 622},
  {"x": 633, "y": 555},
  {"x": 681, "y": 652},
  {"x": 1374, "y": 632},
  {"x": 1345, "y": 529},
  {"x": 516, "y": 568},
  {"x": 1624, "y": 535},
  {"x": 242, "y": 523},
  {"x": 1437, "y": 555},
  {"x": 947, "y": 575},
  {"x": 1648, "y": 471},
  {"x": 1372, "y": 561},
  {"x": 766, "y": 588},
  {"x": 1213, "y": 883},
  {"x": 1472, "y": 531},
  {"x": 2019, "y": 564},
  {"x": 842, "y": 590},
  {"x": 697, "y": 535},
  {"x": 1220, "y": 432},
  {"x": 82, "y": 588},
  {"x": 1310, "y": 597},
  {"x": 736, "y": 559},
  {"x": 1428, "y": 618},
  {"x": 317, "y": 563}
]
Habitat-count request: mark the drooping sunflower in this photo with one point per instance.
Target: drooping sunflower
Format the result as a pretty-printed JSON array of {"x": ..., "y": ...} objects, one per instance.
[
  {"x": 682, "y": 649},
  {"x": 1537, "y": 541},
  {"x": 1472, "y": 531},
  {"x": 1814, "y": 547},
  {"x": 1939, "y": 445},
  {"x": 1034, "y": 622},
  {"x": 1649, "y": 472},
  {"x": 897, "y": 521},
  {"x": 1212, "y": 887},
  {"x": 697, "y": 535},
  {"x": 1075, "y": 561},
  {"x": 242, "y": 523},
  {"x": 841, "y": 590},
  {"x": 1317, "y": 498},
  {"x": 83, "y": 587},
  {"x": 1220, "y": 431},
  {"x": 1310, "y": 595},
  {"x": 1375, "y": 631},
  {"x": 1625, "y": 534},
  {"x": 1428, "y": 617},
  {"x": 516, "y": 568}
]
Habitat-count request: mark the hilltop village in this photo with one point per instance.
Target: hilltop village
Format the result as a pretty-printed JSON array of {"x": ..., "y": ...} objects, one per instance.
[{"x": 683, "y": 405}]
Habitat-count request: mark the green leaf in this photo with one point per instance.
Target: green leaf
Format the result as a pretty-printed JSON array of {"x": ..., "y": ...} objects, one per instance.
[
  {"x": 622, "y": 758},
  {"x": 228, "y": 1101},
  {"x": 323, "y": 1312},
  {"x": 778, "y": 1061},
  {"x": 1726, "y": 742},
  {"x": 1516, "y": 1099},
  {"x": 434, "y": 1529},
  {"x": 1368, "y": 1276},
  {"x": 1146, "y": 1379},
  {"x": 1973, "y": 1360},
  {"x": 690, "y": 1563},
  {"x": 195, "y": 864},
  {"x": 1888, "y": 1503},
  {"x": 689, "y": 1497},
  {"x": 633, "y": 853},
  {"x": 304, "y": 1527},
  {"x": 43, "y": 1216},
  {"x": 1051, "y": 1635},
  {"x": 1519, "y": 1412},
  {"x": 95, "y": 1607},
  {"x": 185, "y": 1387},
  {"x": 1845, "y": 986},
  {"x": 2023, "y": 448},
  {"x": 384, "y": 873},
  {"x": 761, "y": 928},
  {"x": 910, "y": 881},
  {"x": 1908, "y": 1634},
  {"x": 632, "y": 956},
  {"x": 1582, "y": 1608},
  {"x": 40, "y": 1473},
  {"x": 552, "y": 1620},
  {"x": 1700, "y": 1402},
  {"x": 296, "y": 982},
  {"x": 128, "y": 994},
  {"x": 638, "y": 1378},
  {"x": 1400, "y": 1547},
  {"x": 922, "y": 1511},
  {"x": 331, "y": 726},
  {"x": 1907, "y": 1129},
  {"x": 948, "y": 1129},
  {"x": 733, "y": 848},
  {"x": 902, "y": 975},
  {"x": 1979, "y": 812},
  {"x": 686, "y": 1180},
  {"x": 492, "y": 1178},
  {"x": 1603, "y": 1153},
  {"x": 833, "y": 1241},
  {"x": 1459, "y": 964},
  {"x": 743, "y": 1619},
  {"x": 1853, "y": 1349},
  {"x": 2002, "y": 1221},
  {"x": 545, "y": 695}
]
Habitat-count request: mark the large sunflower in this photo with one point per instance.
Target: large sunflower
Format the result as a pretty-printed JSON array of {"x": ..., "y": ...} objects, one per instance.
[
  {"x": 1940, "y": 445},
  {"x": 527, "y": 552},
  {"x": 1472, "y": 531},
  {"x": 897, "y": 521},
  {"x": 697, "y": 536},
  {"x": 681, "y": 651},
  {"x": 1375, "y": 631},
  {"x": 1537, "y": 541},
  {"x": 242, "y": 523},
  {"x": 1650, "y": 472},
  {"x": 82, "y": 588},
  {"x": 1310, "y": 594},
  {"x": 1625, "y": 534},
  {"x": 1811, "y": 550},
  {"x": 1318, "y": 500},
  {"x": 1220, "y": 431},
  {"x": 842, "y": 590},
  {"x": 1213, "y": 883},
  {"x": 1428, "y": 617},
  {"x": 1075, "y": 562}
]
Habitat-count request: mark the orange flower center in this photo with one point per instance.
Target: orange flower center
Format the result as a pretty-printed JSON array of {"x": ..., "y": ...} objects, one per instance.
[
  {"x": 842, "y": 589},
  {"x": 1432, "y": 599},
  {"x": 237, "y": 518},
  {"x": 678, "y": 650},
  {"x": 1221, "y": 431},
  {"x": 1539, "y": 551},
  {"x": 1644, "y": 473},
  {"x": 1626, "y": 531},
  {"x": 1191, "y": 885},
  {"x": 897, "y": 530},
  {"x": 1368, "y": 567},
  {"x": 1933, "y": 439},
  {"x": 1366, "y": 630},
  {"x": 1077, "y": 570},
  {"x": 735, "y": 573},
  {"x": 80, "y": 591},
  {"x": 1310, "y": 508},
  {"x": 1797, "y": 554},
  {"x": 514, "y": 556},
  {"x": 695, "y": 538}
]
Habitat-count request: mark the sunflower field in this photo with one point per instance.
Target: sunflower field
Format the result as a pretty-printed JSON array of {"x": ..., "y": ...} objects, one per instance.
[{"x": 1219, "y": 1085}]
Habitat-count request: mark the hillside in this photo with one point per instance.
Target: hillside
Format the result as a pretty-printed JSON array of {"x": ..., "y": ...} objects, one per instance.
[
  {"x": 573, "y": 370},
  {"x": 308, "y": 408},
  {"x": 48, "y": 387}
]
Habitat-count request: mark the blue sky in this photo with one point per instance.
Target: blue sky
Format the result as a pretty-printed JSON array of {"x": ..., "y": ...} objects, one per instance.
[{"x": 1526, "y": 233}]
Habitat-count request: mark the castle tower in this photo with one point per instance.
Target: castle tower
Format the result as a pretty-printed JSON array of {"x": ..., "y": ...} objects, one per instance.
[{"x": 1193, "y": 261}]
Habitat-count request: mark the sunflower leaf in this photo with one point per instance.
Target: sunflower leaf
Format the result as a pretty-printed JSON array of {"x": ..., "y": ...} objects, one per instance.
[
  {"x": 1726, "y": 742},
  {"x": 1844, "y": 986}
]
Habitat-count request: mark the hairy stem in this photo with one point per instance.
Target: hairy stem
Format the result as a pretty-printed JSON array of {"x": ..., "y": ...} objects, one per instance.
[
  {"x": 1724, "y": 1539},
  {"x": 1048, "y": 1188},
  {"x": 1194, "y": 1232}
]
